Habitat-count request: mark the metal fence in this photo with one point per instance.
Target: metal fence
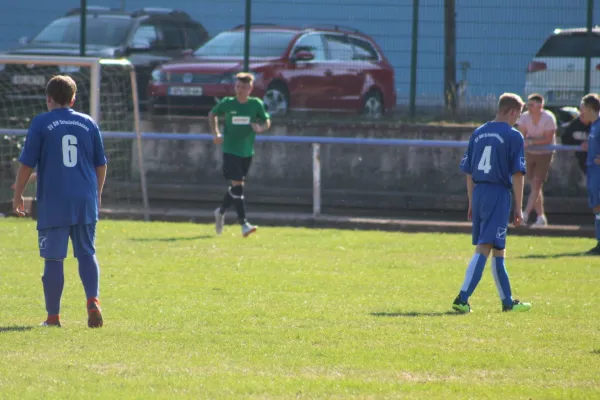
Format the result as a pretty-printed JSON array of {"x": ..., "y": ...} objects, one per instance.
[{"x": 136, "y": 182}]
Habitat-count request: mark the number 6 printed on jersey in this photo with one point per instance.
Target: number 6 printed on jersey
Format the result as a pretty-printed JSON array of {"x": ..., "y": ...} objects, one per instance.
[{"x": 69, "y": 150}]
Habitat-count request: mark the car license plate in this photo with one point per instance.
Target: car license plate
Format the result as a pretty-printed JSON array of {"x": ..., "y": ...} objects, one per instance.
[
  {"x": 37, "y": 80},
  {"x": 185, "y": 91},
  {"x": 565, "y": 95}
]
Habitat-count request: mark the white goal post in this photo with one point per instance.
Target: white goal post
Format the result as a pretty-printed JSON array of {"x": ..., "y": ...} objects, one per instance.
[{"x": 107, "y": 90}]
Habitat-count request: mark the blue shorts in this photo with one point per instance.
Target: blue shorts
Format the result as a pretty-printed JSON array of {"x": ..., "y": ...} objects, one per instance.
[
  {"x": 491, "y": 211},
  {"x": 593, "y": 186},
  {"x": 54, "y": 242}
]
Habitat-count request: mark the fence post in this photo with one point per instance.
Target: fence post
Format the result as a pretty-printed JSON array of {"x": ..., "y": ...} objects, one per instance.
[
  {"x": 138, "y": 140},
  {"x": 316, "y": 158},
  {"x": 450, "y": 56},
  {"x": 413, "y": 59},
  {"x": 590, "y": 41},
  {"x": 82, "y": 28},
  {"x": 247, "y": 25}
]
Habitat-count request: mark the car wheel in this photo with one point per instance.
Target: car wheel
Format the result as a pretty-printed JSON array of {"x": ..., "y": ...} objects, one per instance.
[
  {"x": 373, "y": 105},
  {"x": 276, "y": 100}
]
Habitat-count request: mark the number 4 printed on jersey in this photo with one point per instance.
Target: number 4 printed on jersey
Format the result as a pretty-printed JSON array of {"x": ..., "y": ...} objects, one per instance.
[{"x": 485, "y": 163}]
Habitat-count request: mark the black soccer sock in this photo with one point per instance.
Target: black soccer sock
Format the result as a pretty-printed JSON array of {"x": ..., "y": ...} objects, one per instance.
[
  {"x": 237, "y": 193},
  {"x": 227, "y": 200}
]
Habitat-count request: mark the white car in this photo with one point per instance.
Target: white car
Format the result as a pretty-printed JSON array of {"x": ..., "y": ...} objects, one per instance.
[{"x": 558, "y": 70}]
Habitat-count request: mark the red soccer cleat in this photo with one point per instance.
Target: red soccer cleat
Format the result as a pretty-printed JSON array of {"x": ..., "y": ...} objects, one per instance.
[
  {"x": 52, "y": 320},
  {"x": 94, "y": 313}
]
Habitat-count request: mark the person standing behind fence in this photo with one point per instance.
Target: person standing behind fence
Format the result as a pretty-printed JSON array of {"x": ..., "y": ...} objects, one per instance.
[
  {"x": 590, "y": 110},
  {"x": 539, "y": 129},
  {"x": 575, "y": 134}
]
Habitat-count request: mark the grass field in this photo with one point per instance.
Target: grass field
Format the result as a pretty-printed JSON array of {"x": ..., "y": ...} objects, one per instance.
[{"x": 299, "y": 313}]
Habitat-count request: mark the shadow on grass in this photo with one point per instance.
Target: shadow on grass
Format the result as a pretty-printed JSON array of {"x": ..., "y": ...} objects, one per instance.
[
  {"x": 559, "y": 255},
  {"x": 413, "y": 314},
  {"x": 596, "y": 352},
  {"x": 171, "y": 239},
  {"x": 15, "y": 328}
]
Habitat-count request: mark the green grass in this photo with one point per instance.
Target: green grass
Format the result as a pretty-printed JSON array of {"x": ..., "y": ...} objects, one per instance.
[{"x": 299, "y": 313}]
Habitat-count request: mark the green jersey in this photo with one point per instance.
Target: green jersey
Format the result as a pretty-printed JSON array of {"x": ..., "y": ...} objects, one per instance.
[{"x": 238, "y": 137}]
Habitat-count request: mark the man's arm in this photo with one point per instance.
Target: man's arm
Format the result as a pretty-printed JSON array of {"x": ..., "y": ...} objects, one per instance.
[
  {"x": 260, "y": 128},
  {"x": 23, "y": 175},
  {"x": 262, "y": 115},
  {"x": 518, "y": 184},
  {"x": 101, "y": 177},
  {"x": 213, "y": 121},
  {"x": 546, "y": 138},
  {"x": 470, "y": 186},
  {"x": 29, "y": 159},
  {"x": 597, "y": 146}
]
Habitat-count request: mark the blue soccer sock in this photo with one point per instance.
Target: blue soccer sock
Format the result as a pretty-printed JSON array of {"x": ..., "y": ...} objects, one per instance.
[
  {"x": 502, "y": 281},
  {"x": 473, "y": 276},
  {"x": 53, "y": 281},
  {"x": 598, "y": 227},
  {"x": 89, "y": 272}
]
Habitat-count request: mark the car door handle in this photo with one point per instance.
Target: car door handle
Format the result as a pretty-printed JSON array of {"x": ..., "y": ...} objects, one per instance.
[{"x": 328, "y": 72}]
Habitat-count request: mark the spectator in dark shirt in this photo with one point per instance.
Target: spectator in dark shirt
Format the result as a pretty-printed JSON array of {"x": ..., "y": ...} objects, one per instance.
[{"x": 575, "y": 133}]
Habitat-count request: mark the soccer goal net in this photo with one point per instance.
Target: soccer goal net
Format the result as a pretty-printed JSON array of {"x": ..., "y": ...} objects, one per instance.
[{"x": 106, "y": 89}]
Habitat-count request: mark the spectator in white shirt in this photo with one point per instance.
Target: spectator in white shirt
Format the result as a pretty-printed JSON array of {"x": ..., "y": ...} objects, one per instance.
[{"x": 538, "y": 126}]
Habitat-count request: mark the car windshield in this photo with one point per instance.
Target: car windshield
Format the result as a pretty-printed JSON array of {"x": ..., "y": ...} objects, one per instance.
[
  {"x": 102, "y": 31},
  {"x": 574, "y": 45},
  {"x": 262, "y": 44}
]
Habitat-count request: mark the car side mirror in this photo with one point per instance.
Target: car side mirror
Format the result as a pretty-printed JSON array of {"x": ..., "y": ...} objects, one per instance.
[
  {"x": 303, "y": 55},
  {"x": 23, "y": 40}
]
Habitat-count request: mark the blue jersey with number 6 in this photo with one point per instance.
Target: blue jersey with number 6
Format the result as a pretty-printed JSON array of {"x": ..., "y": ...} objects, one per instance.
[
  {"x": 66, "y": 147},
  {"x": 495, "y": 153}
]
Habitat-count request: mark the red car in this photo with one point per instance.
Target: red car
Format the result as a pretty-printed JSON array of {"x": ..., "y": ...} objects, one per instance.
[{"x": 297, "y": 69}]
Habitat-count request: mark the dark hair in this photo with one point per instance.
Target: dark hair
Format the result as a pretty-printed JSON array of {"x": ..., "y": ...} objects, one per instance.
[
  {"x": 592, "y": 101},
  {"x": 536, "y": 97},
  {"x": 61, "y": 89}
]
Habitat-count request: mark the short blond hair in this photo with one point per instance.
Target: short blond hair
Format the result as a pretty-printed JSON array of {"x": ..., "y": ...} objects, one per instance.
[
  {"x": 245, "y": 77},
  {"x": 508, "y": 102}
]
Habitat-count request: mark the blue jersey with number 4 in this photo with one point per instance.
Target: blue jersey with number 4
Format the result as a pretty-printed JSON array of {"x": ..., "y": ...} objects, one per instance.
[
  {"x": 495, "y": 153},
  {"x": 66, "y": 147}
]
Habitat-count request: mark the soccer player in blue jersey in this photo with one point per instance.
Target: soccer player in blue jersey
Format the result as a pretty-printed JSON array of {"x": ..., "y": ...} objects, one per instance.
[
  {"x": 66, "y": 148},
  {"x": 495, "y": 164},
  {"x": 590, "y": 108}
]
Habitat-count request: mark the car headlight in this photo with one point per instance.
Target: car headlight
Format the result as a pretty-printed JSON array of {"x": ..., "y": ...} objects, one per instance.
[
  {"x": 159, "y": 76},
  {"x": 68, "y": 69}
]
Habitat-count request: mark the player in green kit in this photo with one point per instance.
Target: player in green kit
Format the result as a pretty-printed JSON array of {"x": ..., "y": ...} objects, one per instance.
[{"x": 244, "y": 116}]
